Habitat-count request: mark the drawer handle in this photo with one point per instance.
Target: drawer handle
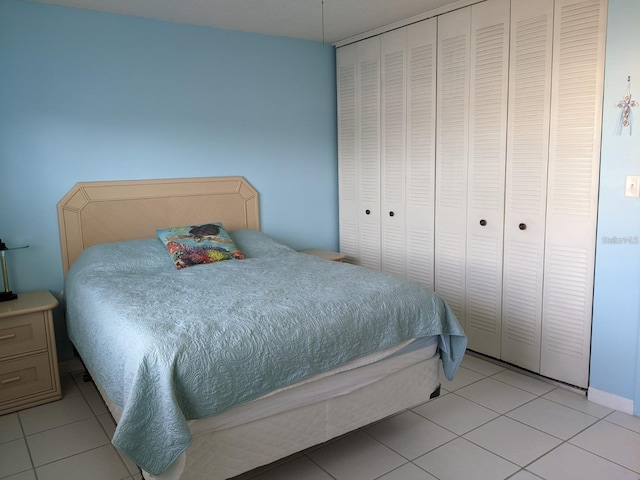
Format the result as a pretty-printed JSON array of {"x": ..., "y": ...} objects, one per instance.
[
  {"x": 10, "y": 380},
  {"x": 8, "y": 336}
]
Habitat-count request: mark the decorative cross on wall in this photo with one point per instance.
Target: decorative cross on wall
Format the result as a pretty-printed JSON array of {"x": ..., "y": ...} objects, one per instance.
[{"x": 626, "y": 115}]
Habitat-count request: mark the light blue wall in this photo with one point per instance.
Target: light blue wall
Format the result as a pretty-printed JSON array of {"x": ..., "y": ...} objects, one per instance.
[
  {"x": 616, "y": 317},
  {"x": 88, "y": 96}
]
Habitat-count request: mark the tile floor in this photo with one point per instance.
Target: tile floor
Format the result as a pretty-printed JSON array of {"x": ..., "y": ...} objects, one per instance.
[{"x": 489, "y": 423}]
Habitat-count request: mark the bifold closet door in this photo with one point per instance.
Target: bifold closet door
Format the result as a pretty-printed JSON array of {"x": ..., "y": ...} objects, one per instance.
[
  {"x": 526, "y": 180},
  {"x": 346, "y": 63},
  {"x": 489, "y": 68},
  {"x": 421, "y": 151},
  {"x": 574, "y": 161},
  {"x": 452, "y": 151},
  {"x": 368, "y": 147},
  {"x": 408, "y": 134},
  {"x": 386, "y": 147},
  {"x": 555, "y": 110},
  {"x": 393, "y": 46},
  {"x": 358, "y": 84}
]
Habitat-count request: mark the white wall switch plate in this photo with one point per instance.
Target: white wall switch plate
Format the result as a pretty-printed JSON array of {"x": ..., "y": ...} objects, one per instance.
[{"x": 632, "y": 186}]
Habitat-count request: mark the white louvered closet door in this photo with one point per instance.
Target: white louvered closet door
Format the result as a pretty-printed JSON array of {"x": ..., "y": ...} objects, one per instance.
[
  {"x": 574, "y": 159},
  {"x": 451, "y": 158},
  {"x": 368, "y": 147},
  {"x": 393, "y": 47},
  {"x": 346, "y": 62},
  {"x": 486, "y": 175},
  {"x": 421, "y": 151},
  {"x": 526, "y": 182},
  {"x": 487, "y": 154}
]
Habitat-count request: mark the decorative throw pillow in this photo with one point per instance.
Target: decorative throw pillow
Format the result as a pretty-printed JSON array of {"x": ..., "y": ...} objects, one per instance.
[{"x": 197, "y": 244}]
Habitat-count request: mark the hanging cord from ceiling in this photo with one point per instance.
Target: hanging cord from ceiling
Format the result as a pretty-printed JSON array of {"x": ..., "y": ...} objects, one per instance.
[{"x": 322, "y": 6}]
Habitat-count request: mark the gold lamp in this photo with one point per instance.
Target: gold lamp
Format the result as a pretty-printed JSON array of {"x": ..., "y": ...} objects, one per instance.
[{"x": 7, "y": 294}]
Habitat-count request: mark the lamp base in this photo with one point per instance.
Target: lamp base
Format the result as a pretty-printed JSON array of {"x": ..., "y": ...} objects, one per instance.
[{"x": 6, "y": 296}]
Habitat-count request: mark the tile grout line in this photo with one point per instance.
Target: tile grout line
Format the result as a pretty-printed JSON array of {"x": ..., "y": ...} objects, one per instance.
[{"x": 24, "y": 439}]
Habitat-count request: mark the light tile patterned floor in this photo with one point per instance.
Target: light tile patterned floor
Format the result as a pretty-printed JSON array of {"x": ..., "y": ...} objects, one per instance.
[{"x": 489, "y": 423}]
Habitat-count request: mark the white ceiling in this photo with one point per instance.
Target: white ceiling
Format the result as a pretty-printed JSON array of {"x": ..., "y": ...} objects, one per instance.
[{"x": 330, "y": 20}]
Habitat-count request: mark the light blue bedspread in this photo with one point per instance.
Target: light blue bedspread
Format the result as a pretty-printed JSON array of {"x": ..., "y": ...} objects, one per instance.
[{"x": 173, "y": 345}]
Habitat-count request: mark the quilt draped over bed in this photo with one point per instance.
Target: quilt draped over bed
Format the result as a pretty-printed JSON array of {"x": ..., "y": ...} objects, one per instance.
[{"x": 171, "y": 345}]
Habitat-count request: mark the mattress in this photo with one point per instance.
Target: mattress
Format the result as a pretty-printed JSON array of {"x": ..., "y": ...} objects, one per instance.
[
  {"x": 339, "y": 381},
  {"x": 172, "y": 346}
]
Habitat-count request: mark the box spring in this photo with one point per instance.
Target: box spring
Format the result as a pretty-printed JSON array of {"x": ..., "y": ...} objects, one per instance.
[{"x": 276, "y": 426}]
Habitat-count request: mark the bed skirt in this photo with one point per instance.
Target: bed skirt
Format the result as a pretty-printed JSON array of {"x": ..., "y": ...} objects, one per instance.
[{"x": 221, "y": 453}]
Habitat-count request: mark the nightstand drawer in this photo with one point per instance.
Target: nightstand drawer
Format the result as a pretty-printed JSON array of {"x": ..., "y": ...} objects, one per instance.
[
  {"x": 25, "y": 376},
  {"x": 22, "y": 334}
]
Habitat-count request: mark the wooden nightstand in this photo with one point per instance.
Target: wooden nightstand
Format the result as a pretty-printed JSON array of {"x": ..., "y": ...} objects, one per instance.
[
  {"x": 28, "y": 359},
  {"x": 326, "y": 254}
]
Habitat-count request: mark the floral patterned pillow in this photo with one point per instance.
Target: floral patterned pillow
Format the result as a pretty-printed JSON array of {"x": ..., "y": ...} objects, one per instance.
[{"x": 198, "y": 244}]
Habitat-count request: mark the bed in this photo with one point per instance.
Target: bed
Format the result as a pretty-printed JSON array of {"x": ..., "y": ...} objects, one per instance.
[{"x": 211, "y": 370}]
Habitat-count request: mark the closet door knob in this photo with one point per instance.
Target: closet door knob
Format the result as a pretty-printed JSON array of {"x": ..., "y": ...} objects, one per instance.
[
  {"x": 483, "y": 222},
  {"x": 367, "y": 212},
  {"x": 391, "y": 214},
  {"x": 522, "y": 226}
]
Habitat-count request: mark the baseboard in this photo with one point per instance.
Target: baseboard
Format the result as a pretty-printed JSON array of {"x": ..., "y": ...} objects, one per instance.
[{"x": 625, "y": 405}]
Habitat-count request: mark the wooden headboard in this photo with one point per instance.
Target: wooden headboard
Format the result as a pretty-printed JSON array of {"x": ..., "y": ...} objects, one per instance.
[{"x": 101, "y": 212}]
